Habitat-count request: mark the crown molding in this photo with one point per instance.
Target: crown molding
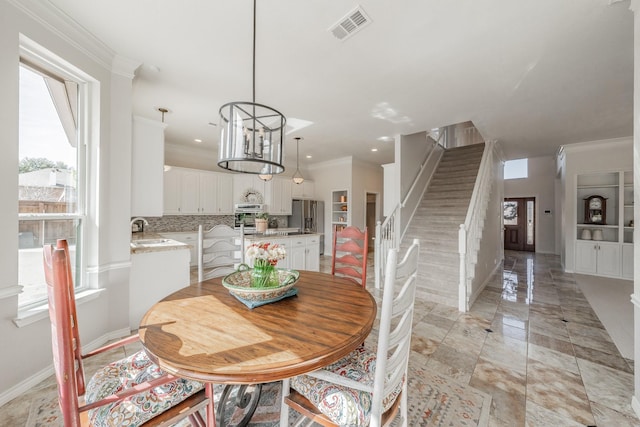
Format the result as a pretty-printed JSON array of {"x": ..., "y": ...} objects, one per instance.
[
  {"x": 592, "y": 145},
  {"x": 63, "y": 26},
  {"x": 124, "y": 66}
]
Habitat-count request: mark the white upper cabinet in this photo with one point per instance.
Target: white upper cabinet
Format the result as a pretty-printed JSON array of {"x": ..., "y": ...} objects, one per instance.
[
  {"x": 306, "y": 190},
  {"x": 243, "y": 183},
  {"x": 278, "y": 196},
  {"x": 147, "y": 163},
  {"x": 197, "y": 192}
]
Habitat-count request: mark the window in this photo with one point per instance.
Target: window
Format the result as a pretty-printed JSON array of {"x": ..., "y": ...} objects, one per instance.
[
  {"x": 514, "y": 169},
  {"x": 51, "y": 167}
]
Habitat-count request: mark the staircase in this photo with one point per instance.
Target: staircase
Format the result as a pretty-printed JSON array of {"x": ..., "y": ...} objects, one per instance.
[{"x": 437, "y": 220}]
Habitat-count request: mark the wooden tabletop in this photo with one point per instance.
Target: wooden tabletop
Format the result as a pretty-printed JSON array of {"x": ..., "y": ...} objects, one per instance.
[{"x": 204, "y": 333}]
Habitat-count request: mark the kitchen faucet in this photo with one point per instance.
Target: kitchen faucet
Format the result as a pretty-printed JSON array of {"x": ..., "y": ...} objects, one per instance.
[{"x": 137, "y": 224}]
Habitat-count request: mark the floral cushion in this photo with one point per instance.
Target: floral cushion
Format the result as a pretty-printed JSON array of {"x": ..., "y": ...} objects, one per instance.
[
  {"x": 343, "y": 405},
  {"x": 137, "y": 409}
]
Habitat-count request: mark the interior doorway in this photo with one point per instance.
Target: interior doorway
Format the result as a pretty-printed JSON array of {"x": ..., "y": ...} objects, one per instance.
[
  {"x": 371, "y": 215},
  {"x": 519, "y": 223}
]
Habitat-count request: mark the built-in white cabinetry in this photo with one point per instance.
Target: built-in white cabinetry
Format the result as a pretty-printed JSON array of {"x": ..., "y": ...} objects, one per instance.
[
  {"x": 244, "y": 182},
  {"x": 340, "y": 209},
  {"x": 303, "y": 251},
  {"x": 604, "y": 229},
  {"x": 278, "y": 196},
  {"x": 153, "y": 276},
  {"x": 197, "y": 192},
  {"x": 306, "y": 190},
  {"x": 189, "y": 238},
  {"x": 147, "y": 162},
  {"x": 601, "y": 258},
  {"x": 627, "y": 261}
]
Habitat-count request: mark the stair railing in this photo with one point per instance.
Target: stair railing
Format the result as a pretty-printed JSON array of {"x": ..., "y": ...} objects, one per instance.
[
  {"x": 389, "y": 233},
  {"x": 470, "y": 233}
]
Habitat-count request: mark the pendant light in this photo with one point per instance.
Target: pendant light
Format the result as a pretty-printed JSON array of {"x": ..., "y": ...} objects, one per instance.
[
  {"x": 265, "y": 177},
  {"x": 297, "y": 177},
  {"x": 251, "y": 134}
]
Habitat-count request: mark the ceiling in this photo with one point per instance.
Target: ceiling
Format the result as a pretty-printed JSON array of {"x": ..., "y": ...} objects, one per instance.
[{"x": 533, "y": 74}]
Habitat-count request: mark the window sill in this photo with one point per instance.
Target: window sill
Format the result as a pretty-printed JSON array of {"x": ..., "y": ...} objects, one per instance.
[{"x": 28, "y": 316}]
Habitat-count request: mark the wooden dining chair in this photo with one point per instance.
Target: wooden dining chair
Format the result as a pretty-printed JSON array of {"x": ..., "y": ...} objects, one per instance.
[
  {"x": 367, "y": 387},
  {"x": 130, "y": 391},
  {"x": 220, "y": 251},
  {"x": 349, "y": 255}
]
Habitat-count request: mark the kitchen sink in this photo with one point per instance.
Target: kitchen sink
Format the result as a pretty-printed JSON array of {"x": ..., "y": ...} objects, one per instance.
[{"x": 148, "y": 243}]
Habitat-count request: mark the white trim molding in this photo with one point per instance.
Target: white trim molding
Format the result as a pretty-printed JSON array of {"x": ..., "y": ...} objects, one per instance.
[
  {"x": 38, "y": 377},
  {"x": 10, "y": 291},
  {"x": 40, "y": 312},
  {"x": 103, "y": 268},
  {"x": 635, "y": 300}
]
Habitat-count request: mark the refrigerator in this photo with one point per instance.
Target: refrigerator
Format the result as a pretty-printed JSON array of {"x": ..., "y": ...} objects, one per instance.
[{"x": 308, "y": 216}]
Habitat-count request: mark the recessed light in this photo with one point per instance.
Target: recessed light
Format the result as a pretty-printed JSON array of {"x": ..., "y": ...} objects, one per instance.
[
  {"x": 198, "y": 140},
  {"x": 374, "y": 149},
  {"x": 308, "y": 156}
]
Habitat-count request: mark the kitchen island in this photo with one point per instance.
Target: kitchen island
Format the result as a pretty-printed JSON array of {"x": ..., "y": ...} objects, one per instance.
[{"x": 159, "y": 267}]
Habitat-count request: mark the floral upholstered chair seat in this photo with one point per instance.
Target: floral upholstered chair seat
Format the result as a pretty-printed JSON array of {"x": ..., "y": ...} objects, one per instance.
[
  {"x": 139, "y": 408},
  {"x": 344, "y": 405}
]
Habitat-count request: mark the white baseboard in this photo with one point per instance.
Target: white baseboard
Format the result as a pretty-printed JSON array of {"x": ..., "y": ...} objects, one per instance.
[
  {"x": 43, "y": 374},
  {"x": 635, "y": 405},
  {"x": 476, "y": 294}
]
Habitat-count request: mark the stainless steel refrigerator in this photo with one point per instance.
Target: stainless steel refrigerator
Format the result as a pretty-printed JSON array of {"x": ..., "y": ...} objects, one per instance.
[{"x": 308, "y": 216}]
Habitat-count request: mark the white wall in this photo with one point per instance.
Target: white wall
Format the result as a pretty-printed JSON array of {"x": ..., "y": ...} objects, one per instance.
[
  {"x": 410, "y": 152},
  {"x": 490, "y": 252},
  {"x": 366, "y": 178},
  {"x": 595, "y": 156},
  {"x": 331, "y": 176},
  {"x": 540, "y": 184},
  {"x": 108, "y": 233}
]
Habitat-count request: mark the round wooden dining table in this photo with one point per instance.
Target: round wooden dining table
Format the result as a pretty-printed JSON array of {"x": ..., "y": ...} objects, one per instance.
[{"x": 204, "y": 333}]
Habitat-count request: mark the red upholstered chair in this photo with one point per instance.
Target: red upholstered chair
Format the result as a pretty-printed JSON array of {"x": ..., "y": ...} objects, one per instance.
[
  {"x": 349, "y": 257},
  {"x": 132, "y": 391}
]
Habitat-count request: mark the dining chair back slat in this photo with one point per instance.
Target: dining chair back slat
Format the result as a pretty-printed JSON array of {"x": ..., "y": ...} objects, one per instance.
[
  {"x": 220, "y": 251},
  {"x": 349, "y": 253}
]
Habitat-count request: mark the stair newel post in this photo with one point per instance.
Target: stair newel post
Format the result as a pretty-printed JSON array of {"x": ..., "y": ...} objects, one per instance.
[{"x": 462, "y": 250}]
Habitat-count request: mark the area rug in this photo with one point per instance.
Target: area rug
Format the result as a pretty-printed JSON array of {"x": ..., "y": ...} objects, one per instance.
[{"x": 434, "y": 401}]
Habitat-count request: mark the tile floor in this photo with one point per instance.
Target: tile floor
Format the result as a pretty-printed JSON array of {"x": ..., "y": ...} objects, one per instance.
[{"x": 531, "y": 341}]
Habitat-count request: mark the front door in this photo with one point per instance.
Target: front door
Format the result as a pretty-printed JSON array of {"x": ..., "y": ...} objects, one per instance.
[{"x": 519, "y": 224}]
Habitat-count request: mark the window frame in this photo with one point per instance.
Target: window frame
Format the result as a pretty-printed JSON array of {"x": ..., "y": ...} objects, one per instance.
[{"x": 43, "y": 62}]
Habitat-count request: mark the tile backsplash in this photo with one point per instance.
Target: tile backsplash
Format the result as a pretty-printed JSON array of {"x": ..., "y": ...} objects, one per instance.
[{"x": 175, "y": 223}]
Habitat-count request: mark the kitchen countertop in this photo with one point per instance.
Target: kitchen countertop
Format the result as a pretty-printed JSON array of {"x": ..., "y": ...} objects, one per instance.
[{"x": 154, "y": 242}]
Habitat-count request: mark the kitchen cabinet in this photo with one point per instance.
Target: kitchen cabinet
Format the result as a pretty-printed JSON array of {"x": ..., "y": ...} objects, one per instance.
[
  {"x": 243, "y": 182},
  {"x": 303, "y": 251},
  {"x": 190, "y": 238},
  {"x": 306, "y": 190},
  {"x": 153, "y": 276},
  {"x": 599, "y": 258},
  {"x": 278, "y": 196},
  {"x": 197, "y": 192},
  {"x": 224, "y": 194},
  {"x": 147, "y": 163}
]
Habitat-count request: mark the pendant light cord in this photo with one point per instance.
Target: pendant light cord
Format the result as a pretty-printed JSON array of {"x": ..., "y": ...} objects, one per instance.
[{"x": 254, "y": 54}]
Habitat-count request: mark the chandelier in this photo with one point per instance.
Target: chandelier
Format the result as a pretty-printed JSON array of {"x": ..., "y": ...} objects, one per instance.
[{"x": 251, "y": 134}]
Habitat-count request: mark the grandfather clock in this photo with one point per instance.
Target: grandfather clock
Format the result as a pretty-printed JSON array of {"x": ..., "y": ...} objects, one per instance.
[{"x": 595, "y": 210}]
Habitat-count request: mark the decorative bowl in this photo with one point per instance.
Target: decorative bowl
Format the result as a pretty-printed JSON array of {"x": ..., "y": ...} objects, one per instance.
[{"x": 239, "y": 284}]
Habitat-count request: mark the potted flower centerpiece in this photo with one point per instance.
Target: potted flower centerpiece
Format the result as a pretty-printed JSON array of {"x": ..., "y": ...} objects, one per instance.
[
  {"x": 261, "y": 222},
  {"x": 265, "y": 257}
]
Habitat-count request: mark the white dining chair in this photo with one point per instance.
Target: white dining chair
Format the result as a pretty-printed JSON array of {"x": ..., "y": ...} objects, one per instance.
[
  {"x": 220, "y": 251},
  {"x": 368, "y": 386}
]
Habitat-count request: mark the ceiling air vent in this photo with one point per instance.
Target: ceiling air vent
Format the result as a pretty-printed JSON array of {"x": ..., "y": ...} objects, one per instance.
[{"x": 350, "y": 24}]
